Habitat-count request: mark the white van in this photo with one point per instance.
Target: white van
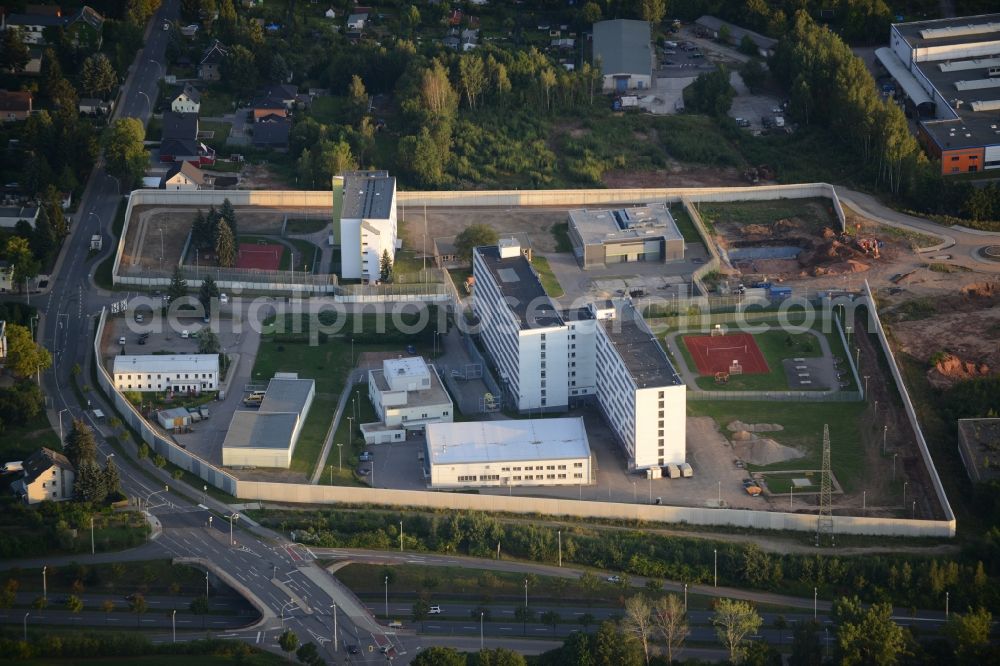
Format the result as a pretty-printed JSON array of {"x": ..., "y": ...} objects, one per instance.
[
  {"x": 16, "y": 466},
  {"x": 185, "y": 335},
  {"x": 224, "y": 299}
]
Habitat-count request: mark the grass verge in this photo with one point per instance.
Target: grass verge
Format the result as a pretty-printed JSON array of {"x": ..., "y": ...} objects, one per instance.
[
  {"x": 547, "y": 277},
  {"x": 103, "y": 274}
]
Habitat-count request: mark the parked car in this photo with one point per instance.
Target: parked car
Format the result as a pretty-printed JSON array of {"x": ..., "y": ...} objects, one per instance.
[
  {"x": 352, "y": 649},
  {"x": 614, "y": 579},
  {"x": 366, "y": 456},
  {"x": 223, "y": 298}
]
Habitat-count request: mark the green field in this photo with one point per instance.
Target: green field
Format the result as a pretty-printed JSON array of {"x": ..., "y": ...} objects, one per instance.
[
  {"x": 548, "y": 279},
  {"x": 19, "y": 441},
  {"x": 560, "y": 232},
  {"x": 685, "y": 225},
  {"x": 306, "y": 225},
  {"x": 803, "y": 429},
  {"x": 816, "y": 212},
  {"x": 353, "y": 443}
]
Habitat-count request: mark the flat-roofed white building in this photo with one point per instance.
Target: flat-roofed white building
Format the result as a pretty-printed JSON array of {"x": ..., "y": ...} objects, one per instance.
[
  {"x": 167, "y": 372},
  {"x": 624, "y": 235},
  {"x": 266, "y": 436},
  {"x": 407, "y": 394},
  {"x": 364, "y": 205},
  {"x": 639, "y": 392},
  {"x": 535, "y": 452},
  {"x": 520, "y": 327}
]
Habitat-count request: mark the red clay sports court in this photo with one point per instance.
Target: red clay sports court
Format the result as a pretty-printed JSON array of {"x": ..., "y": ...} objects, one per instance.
[
  {"x": 714, "y": 354},
  {"x": 264, "y": 257}
]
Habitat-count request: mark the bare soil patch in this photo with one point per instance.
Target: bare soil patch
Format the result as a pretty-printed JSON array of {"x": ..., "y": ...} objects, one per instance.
[
  {"x": 441, "y": 222},
  {"x": 676, "y": 175}
]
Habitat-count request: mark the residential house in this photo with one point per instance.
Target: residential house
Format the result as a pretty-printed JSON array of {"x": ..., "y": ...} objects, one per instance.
[
  {"x": 179, "y": 140},
  {"x": 6, "y": 279},
  {"x": 716, "y": 28},
  {"x": 11, "y": 215},
  {"x": 330, "y": 14},
  {"x": 279, "y": 93},
  {"x": 210, "y": 65},
  {"x": 83, "y": 27},
  {"x": 185, "y": 176},
  {"x": 356, "y": 22},
  {"x": 14, "y": 105},
  {"x": 47, "y": 476},
  {"x": 272, "y": 134},
  {"x": 188, "y": 101},
  {"x": 32, "y": 26},
  {"x": 622, "y": 47},
  {"x": 92, "y": 106},
  {"x": 189, "y": 30}
]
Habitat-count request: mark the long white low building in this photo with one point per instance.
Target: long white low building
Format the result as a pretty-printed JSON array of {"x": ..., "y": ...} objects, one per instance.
[
  {"x": 535, "y": 452},
  {"x": 266, "y": 436},
  {"x": 167, "y": 372}
]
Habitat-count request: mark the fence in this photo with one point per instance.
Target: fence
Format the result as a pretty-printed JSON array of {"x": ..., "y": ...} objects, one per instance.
[
  {"x": 778, "y": 396},
  {"x": 159, "y": 444},
  {"x": 911, "y": 412}
]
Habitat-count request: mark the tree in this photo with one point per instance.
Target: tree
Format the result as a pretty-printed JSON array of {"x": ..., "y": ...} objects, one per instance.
[
  {"x": 178, "y": 286},
  {"x": 43, "y": 239},
  {"x": 288, "y": 641},
  {"x": 25, "y": 358},
  {"x": 753, "y": 74},
  {"x": 591, "y": 13},
  {"x": 74, "y": 604},
  {"x": 970, "y": 633},
  {"x": 670, "y": 621},
  {"x": 358, "y": 96},
  {"x": 88, "y": 486},
  {"x": 225, "y": 245},
  {"x": 307, "y": 653},
  {"x": 867, "y": 635},
  {"x": 472, "y": 236},
  {"x": 98, "y": 76},
  {"x": 499, "y": 657},
  {"x": 612, "y": 647},
  {"x": 207, "y": 292},
  {"x": 108, "y": 606},
  {"x": 124, "y": 153},
  {"x": 548, "y": 80},
  {"x": 472, "y": 77},
  {"x": 8, "y": 595},
  {"x": 208, "y": 342},
  {"x": 748, "y": 46},
  {"x": 199, "y": 606},
  {"x": 80, "y": 445},
  {"x": 137, "y": 604},
  {"x": 710, "y": 93},
  {"x": 23, "y": 261},
  {"x": 638, "y": 621},
  {"x": 203, "y": 232},
  {"x": 385, "y": 267},
  {"x": 436, "y": 93},
  {"x": 439, "y": 656},
  {"x": 550, "y": 618},
  {"x": 524, "y": 615},
  {"x": 240, "y": 69},
  {"x": 421, "y": 609},
  {"x": 14, "y": 54},
  {"x": 733, "y": 621},
  {"x": 112, "y": 479},
  {"x": 228, "y": 213},
  {"x": 653, "y": 10}
]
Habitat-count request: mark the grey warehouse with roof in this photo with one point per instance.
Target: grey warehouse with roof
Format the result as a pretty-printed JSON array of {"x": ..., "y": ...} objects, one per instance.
[
  {"x": 623, "y": 51},
  {"x": 266, "y": 437},
  {"x": 603, "y": 237}
]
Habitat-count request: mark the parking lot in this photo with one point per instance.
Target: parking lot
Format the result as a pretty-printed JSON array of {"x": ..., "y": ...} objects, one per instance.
[{"x": 753, "y": 108}]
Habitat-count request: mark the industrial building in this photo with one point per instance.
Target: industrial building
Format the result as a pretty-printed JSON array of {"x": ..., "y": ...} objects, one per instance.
[
  {"x": 948, "y": 71},
  {"x": 603, "y": 237},
  {"x": 536, "y": 452},
  {"x": 364, "y": 211},
  {"x": 520, "y": 327},
  {"x": 548, "y": 359},
  {"x": 192, "y": 373},
  {"x": 624, "y": 55},
  {"x": 407, "y": 394},
  {"x": 266, "y": 437}
]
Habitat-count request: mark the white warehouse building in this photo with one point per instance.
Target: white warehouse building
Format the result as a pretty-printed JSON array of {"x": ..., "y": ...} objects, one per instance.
[
  {"x": 535, "y": 452},
  {"x": 407, "y": 394},
  {"x": 266, "y": 436},
  {"x": 364, "y": 209},
  {"x": 549, "y": 359},
  {"x": 193, "y": 373}
]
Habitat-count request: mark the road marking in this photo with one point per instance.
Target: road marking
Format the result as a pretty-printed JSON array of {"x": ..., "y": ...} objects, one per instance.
[
  {"x": 258, "y": 638},
  {"x": 506, "y": 629}
]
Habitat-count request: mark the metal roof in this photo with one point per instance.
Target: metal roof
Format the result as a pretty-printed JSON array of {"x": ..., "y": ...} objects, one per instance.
[
  {"x": 286, "y": 395},
  {"x": 649, "y": 222},
  {"x": 368, "y": 195},
  {"x": 166, "y": 363},
  {"x": 623, "y": 47},
  {"x": 254, "y": 430},
  {"x": 506, "y": 441},
  {"x": 897, "y": 68},
  {"x": 641, "y": 352}
]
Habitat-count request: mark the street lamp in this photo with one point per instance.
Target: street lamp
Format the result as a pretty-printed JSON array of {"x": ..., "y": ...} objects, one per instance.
[
  {"x": 173, "y": 623},
  {"x": 26, "y": 626},
  {"x": 233, "y": 517},
  {"x": 62, "y": 438},
  {"x": 340, "y": 458},
  {"x": 206, "y": 588},
  {"x": 815, "y": 597},
  {"x": 334, "y": 627},
  {"x": 204, "y": 494},
  {"x": 559, "y": 535},
  {"x": 149, "y": 104},
  {"x": 386, "y": 597},
  {"x": 401, "y": 536},
  {"x": 905, "y": 483},
  {"x": 634, "y": 499},
  {"x": 525, "y": 593},
  {"x": 481, "y": 631},
  {"x": 685, "y": 597},
  {"x": 45, "y": 586},
  {"x": 894, "y": 466},
  {"x": 159, "y": 67},
  {"x": 91, "y": 535},
  {"x": 715, "y": 578},
  {"x": 99, "y": 222}
]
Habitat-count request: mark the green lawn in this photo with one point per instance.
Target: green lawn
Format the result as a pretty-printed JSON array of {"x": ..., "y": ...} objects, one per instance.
[
  {"x": 225, "y": 166},
  {"x": 547, "y": 277},
  {"x": 685, "y": 225},
  {"x": 103, "y": 274},
  {"x": 153, "y": 577},
  {"x": 816, "y": 212},
  {"x": 329, "y": 110},
  {"x": 560, "y": 232},
  {"x": 220, "y": 132},
  {"x": 215, "y": 102},
  {"x": 780, "y": 483},
  {"x": 309, "y": 254},
  {"x": 306, "y": 225},
  {"x": 458, "y": 278},
  {"x": 353, "y": 443},
  {"x": 803, "y": 429},
  {"x": 310, "y": 443},
  {"x": 775, "y": 347},
  {"x": 19, "y": 441}
]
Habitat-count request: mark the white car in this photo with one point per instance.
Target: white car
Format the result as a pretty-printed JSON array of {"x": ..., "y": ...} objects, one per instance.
[
  {"x": 614, "y": 579},
  {"x": 435, "y": 610},
  {"x": 224, "y": 298}
]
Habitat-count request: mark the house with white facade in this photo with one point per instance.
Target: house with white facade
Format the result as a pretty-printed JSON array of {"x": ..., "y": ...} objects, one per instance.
[
  {"x": 266, "y": 436},
  {"x": 47, "y": 476},
  {"x": 549, "y": 359},
  {"x": 188, "y": 101},
  {"x": 187, "y": 373},
  {"x": 6, "y": 277},
  {"x": 520, "y": 328},
  {"x": 407, "y": 394},
  {"x": 534, "y": 452},
  {"x": 186, "y": 176},
  {"x": 364, "y": 209}
]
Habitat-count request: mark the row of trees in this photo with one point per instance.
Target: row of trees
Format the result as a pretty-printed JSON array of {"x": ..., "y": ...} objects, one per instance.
[
  {"x": 217, "y": 232},
  {"x": 909, "y": 581},
  {"x": 92, "y": 484}
]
